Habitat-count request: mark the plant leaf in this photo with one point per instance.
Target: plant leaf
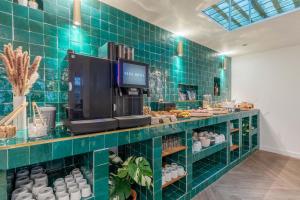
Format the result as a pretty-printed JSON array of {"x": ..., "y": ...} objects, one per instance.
[
  {"x": 122, "y": 172},
  {"x": 119, "y": 188},
  {"x": 140, "y": 171}
]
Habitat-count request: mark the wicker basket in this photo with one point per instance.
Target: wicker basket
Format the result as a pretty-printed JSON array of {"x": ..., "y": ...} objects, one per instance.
[{"x": 8, "y": 131}]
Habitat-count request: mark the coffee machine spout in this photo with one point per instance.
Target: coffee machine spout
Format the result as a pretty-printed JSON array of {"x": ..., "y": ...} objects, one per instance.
[{"x": 147, "y": 91}]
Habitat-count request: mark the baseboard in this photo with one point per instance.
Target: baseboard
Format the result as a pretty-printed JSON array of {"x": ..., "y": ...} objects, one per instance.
[{"x": 281, "y": 152}]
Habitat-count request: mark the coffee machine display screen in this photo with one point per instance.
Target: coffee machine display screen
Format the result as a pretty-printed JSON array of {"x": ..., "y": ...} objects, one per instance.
[{"x": 134, "y": 74}]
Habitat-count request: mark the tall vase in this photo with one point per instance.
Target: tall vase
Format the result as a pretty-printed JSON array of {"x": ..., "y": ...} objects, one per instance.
[{"x": 21, "y": 120}]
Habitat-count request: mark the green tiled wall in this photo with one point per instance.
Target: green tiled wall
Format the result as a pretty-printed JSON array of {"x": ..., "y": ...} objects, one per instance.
[{"x": 50, "y": 33}]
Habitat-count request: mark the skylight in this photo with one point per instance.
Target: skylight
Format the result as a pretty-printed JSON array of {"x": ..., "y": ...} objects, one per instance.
[{"x": 233, "y": 14}]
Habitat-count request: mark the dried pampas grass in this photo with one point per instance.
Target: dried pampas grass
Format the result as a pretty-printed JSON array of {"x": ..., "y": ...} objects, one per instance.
[{"x": 20, "y": 73}]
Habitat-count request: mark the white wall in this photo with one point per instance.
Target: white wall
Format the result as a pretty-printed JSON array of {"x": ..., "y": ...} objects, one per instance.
[{"x": 271, "y": 80}]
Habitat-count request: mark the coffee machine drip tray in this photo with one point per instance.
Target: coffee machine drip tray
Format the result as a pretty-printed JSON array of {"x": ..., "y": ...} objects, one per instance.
[
  {"x": 91, "y": 126},
  {"x": 133, "y": 121}
]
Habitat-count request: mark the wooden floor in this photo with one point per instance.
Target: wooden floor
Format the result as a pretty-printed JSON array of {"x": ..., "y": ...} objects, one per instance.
[{"x": 263, "y": 176}]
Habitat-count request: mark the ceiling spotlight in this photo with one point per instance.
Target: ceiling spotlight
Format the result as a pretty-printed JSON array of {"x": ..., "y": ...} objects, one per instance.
[
  {"x": 180, "y": 49},
  {"x": 244, "y": 45},
  {"x": 77, "y": 13}
]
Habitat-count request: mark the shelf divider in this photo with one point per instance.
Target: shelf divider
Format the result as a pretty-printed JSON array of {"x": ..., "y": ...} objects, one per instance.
[{"x": 208, "y": 151}]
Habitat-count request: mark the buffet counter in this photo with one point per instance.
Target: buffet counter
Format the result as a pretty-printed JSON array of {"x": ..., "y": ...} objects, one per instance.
[{"x": 60, "y": 145}]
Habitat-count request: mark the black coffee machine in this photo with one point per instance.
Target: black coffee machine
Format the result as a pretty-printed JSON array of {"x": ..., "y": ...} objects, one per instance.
[
  {"x": 105, "y": 94},
  {"x": 131, "y": 82},
  {"x": 90, "y": 94}
]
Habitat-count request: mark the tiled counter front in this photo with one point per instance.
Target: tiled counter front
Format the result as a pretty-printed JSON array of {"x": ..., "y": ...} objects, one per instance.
[{"x": 97, "y": 145}]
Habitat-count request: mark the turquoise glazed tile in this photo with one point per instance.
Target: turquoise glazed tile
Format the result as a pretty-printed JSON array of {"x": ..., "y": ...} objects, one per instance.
[
  {"x": 123, "y": 138},
  {"x": 81, "y": 145},
  {"x": 101, "y": 171},
  {"x": 100, "y": 157},
  {"x": 35, "y": 26},
  {"x": 40, "y": 153},
  {"x": 36, "y": 15},
  {"x": 20, "y": 11},
  {"x": 5, "y": 32},
  {"x": 21, "y": 35},
  {"x": 100, "y": 190},
  {"x": 21, "y": 23},
  {"x": 5, "y": 6},
  {"x": 111, "y": 140},
  {"x": 5, "y": 19},
  {"x": 18, "y": 157},
  {"x": 97, "y": 142},
  {"x": 36, "y": 38},
  {"x": 50, "y": 30},
  {"x": 101, "y": 181},
  {"x": 136, "y": 136},
  {"x": 3, "y": 158},
  {"x": 62, "y": 149},
  {"x": 50, "y": 19},
  {"x": 102, "y": 23},
  {"x": 50, "y": 41}
]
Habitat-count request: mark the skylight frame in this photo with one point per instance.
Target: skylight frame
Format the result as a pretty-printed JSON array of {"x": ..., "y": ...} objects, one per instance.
[{"x": 261, "y": 11}]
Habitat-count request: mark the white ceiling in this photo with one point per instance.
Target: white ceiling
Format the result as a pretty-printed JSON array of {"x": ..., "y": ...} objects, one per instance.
[{"x": 185, "y": 17}]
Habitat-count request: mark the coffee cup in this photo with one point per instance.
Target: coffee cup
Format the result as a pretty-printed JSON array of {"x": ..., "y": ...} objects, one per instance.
[
  {"x": 81, "y": 183},
  {"x": 78, "y": 177},
  {"x": 63, "y": 196},
  {"x": 59, "y": 181},
  {"x": 60, "y": 190},
  {"x": 168, "y": 175},
  {"x": 68, "y": 177},
  {"x": 60, "y": 186},
  {"x": 26, "y": 196},
  {"x": 37, "y": 187},
  {"x": 205, "y": 142},
  {"x": 21, "y": 181},
  {"x": 70, "y": 181},
  {"x": 49, "y": 197},
  {"x": 75, "y": 194},
  {"x": 180, "y": 171},
  {"x": 197, "y": 146},
  {"x": 163, "y": 179},
  {"x": 35, "y": 175},
  {"x": 41, "y": 178},
  {"x": 37, "y": 169},
  {"x": 18, "y": 192},
  {"x": 44, "y": 192},
  {"x": 75, "y": 171},
  {"x": 28, "y": 185},
  {"x": 174, "y": 173},
  {"x": 72, "y": 186},
  {"x": 23, "y": 172},
  {"x": 86, "y": 191}
]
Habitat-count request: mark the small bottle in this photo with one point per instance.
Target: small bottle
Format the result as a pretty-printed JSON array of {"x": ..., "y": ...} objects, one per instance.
[{"x": 216, "y": 90}]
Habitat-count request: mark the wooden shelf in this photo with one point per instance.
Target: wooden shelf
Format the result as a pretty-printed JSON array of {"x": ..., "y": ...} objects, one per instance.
[
  {"x": 172, "y": 181},
  {"x": 234, "y": 130},
  {"x": 234, "y": 147},
  {"x": 168, "y": 152}
]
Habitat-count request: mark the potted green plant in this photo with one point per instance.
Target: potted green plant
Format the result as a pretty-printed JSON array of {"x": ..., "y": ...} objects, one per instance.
[{"x": 135, "y": 170}]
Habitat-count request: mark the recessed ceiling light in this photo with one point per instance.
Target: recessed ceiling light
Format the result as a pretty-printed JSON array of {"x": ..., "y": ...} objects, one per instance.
[
  {"x": 181, "y": 34},
  {"x": 226, "y": 53},
  {"x": 244, "y": 45}
]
